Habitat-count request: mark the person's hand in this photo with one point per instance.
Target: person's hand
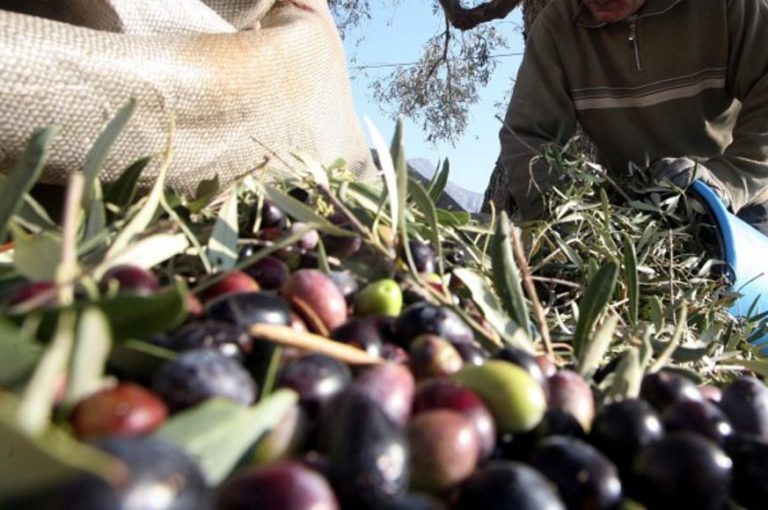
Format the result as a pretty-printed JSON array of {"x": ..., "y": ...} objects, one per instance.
[
  {"x": 679, "y": 171},
  {"x": 683, "y": 171}
]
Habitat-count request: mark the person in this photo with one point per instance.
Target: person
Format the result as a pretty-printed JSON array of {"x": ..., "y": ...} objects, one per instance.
[{"x": 679, "y": 83}]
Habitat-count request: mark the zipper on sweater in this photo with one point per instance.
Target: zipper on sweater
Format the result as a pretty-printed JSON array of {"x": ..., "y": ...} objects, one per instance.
[{"x": 633, "y": 41}]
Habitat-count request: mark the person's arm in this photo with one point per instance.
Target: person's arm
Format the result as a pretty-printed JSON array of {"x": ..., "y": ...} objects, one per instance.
[
  {"x": 743, "y": 167},
  {"x": 540, "y": 112}
]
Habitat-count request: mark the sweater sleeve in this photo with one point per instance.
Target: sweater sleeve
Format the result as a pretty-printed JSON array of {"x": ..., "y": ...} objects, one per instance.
[
  {"x": 540, "y": 112},
  {"x": 743, "y": 167}
]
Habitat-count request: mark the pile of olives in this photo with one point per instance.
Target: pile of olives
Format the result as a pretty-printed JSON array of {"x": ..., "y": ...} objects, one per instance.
[{"x": 437, "y": 422}]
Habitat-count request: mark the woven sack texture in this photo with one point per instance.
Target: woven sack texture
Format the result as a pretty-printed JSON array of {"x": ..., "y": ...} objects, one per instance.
[{"x": 249, "y": 82}]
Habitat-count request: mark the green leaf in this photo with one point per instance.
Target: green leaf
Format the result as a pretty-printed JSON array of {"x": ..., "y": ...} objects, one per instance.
[
  {"x": 423, "y": 201},
  {"x": 758, "y": 366},
  {"x": 483, "y": 295},
  {"x": 92, "y": 346},
  {"x": 595, "y": 351},
  {"x": 631, "y": 281},
  {"x": 23, "y": 175},
  {"x": 144, "y": 217},
  {"x": 37, "y": 401},
  {"x": 222, "y": 246},
  {"x": 19, "y": 354},
  {"x": 97, "y": 215},
  {"x": 506, "y": 274},
  {"x": 37, "y": 256},
  {"x": 138, "y": 358},
  {"x": 438, "y": 182},
  {"x": 219, "y": 432},
  {"x": 302, "y": 212},
  {"x": 312, "y": 167},
  {"x": 387, "y": 171},
  {"x": 453, "y": 218},
  {"x": 97, "y": 155},
  {"x": 130, "y": 316},
  {"x": 147, "y": 252},
  {"x": 31, "y": 215},
  {"x": 122, "y": 192},
  {"x": 206, "y": 191},
  {"x": 627, "y": 377},
  {"x": 596, "y": 297},
  {"x": 31, "y": 463}
]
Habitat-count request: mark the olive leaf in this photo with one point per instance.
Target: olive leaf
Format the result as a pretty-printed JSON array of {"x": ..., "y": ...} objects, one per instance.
[
  {"x": 122, "y": 192},
  {"x": 438, "y": 182},
  {"x": 595, "y": 351},
  {"x": 33, "y": 462},
  {"x": 222, "y": 246},
  {"x": 219, "y": 432},
  {"x": 596, "y": 297},
  {"x": 424, "y": 202},
  {"x": 23, "y": 175},
  {"x": 506, "y": 274}
]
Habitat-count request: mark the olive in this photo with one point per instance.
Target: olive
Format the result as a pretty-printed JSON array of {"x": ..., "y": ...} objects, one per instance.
[
  {"x": 42, "y": 292},
  {"x": 224, "y": 337},
  {"x": 162, "y": 477},
  {"x": 269, "y": 272},
  {"x": 317, "y": 378},
  {"x": 502, "y": 485},
  {"x": 524, "y": 359},
  {"x": 123, "y": 410},
  {"x": 699, "y": 416},
  {"x": 347, "y": 283},
  {"x": 662, "y": 388},
  {"x": 310, "y": 291},
  {"x": 423, "y": 317},
  {"x": 91, "y": 492},
  {"x": 130, "y": 280},
  {"x": 382, "y": 297},
  {"x": 431, "y": 356},
  {"x": 472, "y": 354},
  {"x": 585, "y": 478},
  {"x": 248, "y": 308},
  {"x": 745, "y": 403},
  {"x": 568, "y": 391},
  {"x": 749, "y": 481},
  {"x": 445, "y": 449},
  {"x": 283, "y": 485},
  {"x": 368, "y": 452},
  {"x": 423, "y": 256},
  {"x": 622, "y": 428},
  {"x": 392, "y": 386},
  {"x": 362, "y": 332},
  {"x": 443, "y": 393},
  {"x": 515, "y": 399},
  {"x": 683, "y": 470},
  {"x": 197, "y": 375},
  {"x": 230, "y": 282}
]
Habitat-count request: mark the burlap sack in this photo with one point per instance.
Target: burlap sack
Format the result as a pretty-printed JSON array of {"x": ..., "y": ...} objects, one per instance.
[{"x": 239, "y": 75}]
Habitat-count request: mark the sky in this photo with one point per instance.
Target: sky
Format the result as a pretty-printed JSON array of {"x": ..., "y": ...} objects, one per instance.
[{"x": 395, "y": 34}]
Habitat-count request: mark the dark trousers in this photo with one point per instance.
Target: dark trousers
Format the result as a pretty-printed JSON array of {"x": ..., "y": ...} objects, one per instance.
[{"x": 756, "y": 215}]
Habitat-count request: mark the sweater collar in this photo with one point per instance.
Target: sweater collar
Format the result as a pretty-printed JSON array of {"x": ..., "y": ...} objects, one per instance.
[{"x": 652, "y": 7}]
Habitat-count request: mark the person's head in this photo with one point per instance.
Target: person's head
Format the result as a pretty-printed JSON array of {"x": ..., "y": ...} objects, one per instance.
[{"x": 610, "y": 11}]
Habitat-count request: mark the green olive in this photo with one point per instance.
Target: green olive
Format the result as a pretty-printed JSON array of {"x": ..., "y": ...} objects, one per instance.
[
  {"x": 515, "y": 399},
  {"x": 382, "y": 297}
]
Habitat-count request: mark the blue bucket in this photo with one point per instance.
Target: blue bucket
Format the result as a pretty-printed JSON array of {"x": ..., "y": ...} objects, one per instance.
[{"x": 744, "y": 250}]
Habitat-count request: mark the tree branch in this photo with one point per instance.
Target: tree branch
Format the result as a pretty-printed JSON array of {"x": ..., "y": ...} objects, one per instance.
[{"x": 467, "y": 18}]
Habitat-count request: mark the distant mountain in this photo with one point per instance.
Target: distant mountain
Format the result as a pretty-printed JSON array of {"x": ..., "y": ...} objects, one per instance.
[{"x": 455, "y": 197}]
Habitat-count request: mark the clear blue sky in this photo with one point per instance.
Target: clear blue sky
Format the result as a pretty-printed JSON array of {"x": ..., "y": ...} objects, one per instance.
[{"x": 396, "y": 35}]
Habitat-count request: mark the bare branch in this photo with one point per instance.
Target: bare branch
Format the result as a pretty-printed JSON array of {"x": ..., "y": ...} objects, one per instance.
[{"x": 467, "y": 18}]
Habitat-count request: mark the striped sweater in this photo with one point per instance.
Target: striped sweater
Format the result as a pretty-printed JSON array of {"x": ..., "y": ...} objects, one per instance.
[{"x": 679, "y": 78}]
